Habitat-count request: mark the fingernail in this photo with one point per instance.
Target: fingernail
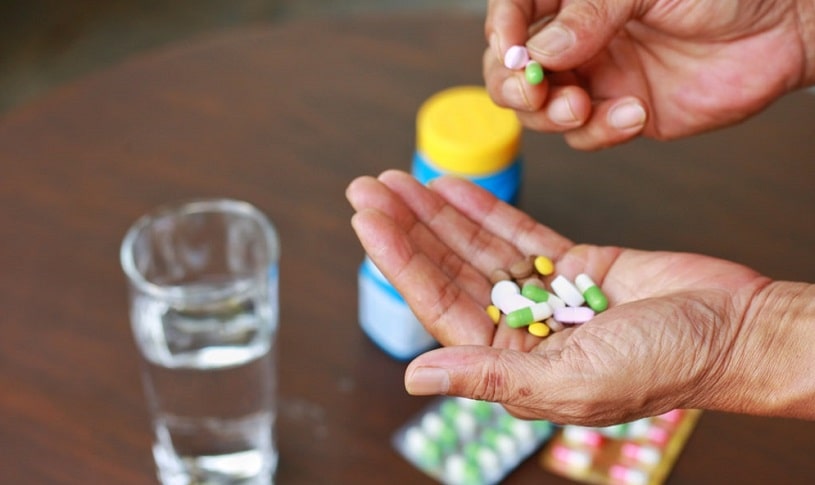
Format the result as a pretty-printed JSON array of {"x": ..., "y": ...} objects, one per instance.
[
  {"x": 552, "y": 41},
  {"x": 513, "y": 92},
  {"x": 426, "y": 381},
  {"x": 627, "y": 115},
  {"x": 560, "y": 111}
]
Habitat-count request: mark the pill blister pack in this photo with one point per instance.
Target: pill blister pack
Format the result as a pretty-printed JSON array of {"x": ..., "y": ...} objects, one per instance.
[
  {"x": 460, "y": 441},
  {"x": 641, "y": 452}
]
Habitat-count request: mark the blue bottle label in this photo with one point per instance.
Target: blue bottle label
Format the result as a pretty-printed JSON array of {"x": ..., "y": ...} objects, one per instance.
[{"x": 504, "y": 184}]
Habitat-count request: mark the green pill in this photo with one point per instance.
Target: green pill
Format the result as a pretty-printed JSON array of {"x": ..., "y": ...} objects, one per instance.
[
  {"x": 596, "y": 300},
  {"x": 594, "y": 296},
  {"x": 533, "y": 72}
]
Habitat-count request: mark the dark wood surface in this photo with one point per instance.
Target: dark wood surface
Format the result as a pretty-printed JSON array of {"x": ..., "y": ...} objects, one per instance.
[{"x": 284, "y": 116}]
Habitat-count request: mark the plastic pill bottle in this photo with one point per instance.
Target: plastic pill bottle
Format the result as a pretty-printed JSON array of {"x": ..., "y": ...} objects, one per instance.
[{"x": 459, "y": 131}]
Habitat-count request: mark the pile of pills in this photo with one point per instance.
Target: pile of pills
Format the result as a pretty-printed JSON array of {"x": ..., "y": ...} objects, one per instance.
[
  {"x": 517, "y": 58},
  {"x": 519, "y": 297},
  {"x": 641, "y": 452},
  {"x": 461, "y": 441}
]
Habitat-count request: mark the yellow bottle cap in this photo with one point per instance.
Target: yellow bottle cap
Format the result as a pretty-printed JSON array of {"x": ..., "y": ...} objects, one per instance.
[{"x": 462, "y": 131}]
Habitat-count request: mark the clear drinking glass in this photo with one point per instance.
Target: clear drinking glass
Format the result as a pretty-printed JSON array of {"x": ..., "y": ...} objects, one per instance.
[{"x": 203, "y": 280}]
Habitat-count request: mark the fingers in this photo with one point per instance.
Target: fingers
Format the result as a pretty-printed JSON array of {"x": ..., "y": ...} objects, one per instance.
[
  {"x": 430, "y": 277},
  {"x": 449, "y": 313},
  {"x": 391, "y": 198},
  {"x": 529, "y": 385},
  {"x": 621, "y": 366},
  {"x": 496, "y": 375},
  {"x": 569, "y": 39},
  {"x": 501, "y": 220},
  {"x": 509, "y": 88},
  {"x": 507, "y": 23},
  {"x": 579, "y": 31},
  {"x": 482, "y": 249},
  {"x": 549, "y": 106},
  {"x": 613, "y": 122}
]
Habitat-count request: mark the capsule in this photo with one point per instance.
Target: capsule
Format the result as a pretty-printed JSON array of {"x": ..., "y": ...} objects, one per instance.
[
  {"x": 627, "y": 476},
  {"x": 432, "y": 424},
  {"x": 672, "y": 417},
  {"x": 486, "y": 459},
  {"x": 535, "y": 292},
  {"x": 533, "y": 72},
  {"x": 592, "y": 293},
  {"x": 459, "y": 470},
  {"x": 615, "y": 431},
  {"x": 490, "y": 464},
  {"x": 526, "y": 316},
  {"x": 511, "y": 303},
  {"x": 572, "y": 458},
  {"x": 422, "y": 449},
  {"x": 466, "y": 425},
  {"x": 567, "y": 291},
  {"x": 644, "y": 454},
  {"x": 582, "y": 436},
  {"x": 658, "y": 436}
]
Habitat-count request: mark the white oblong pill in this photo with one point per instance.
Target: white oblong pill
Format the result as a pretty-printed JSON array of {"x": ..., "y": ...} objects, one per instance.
[{"x": 567, "y": 291}]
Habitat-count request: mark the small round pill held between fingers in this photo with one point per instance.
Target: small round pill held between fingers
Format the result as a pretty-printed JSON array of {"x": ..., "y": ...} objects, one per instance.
[
  {"x": 533, "y": 73},
  {"x": 516, "y": 57}
]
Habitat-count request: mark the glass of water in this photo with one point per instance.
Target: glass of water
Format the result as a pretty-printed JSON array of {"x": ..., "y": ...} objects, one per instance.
[{"x": 203, "y": 280}]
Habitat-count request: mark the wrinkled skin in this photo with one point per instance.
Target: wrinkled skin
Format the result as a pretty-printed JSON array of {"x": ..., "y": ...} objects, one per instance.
[
  {"x": 682, "y": 329},
  {"x": 687, "y": 66}
]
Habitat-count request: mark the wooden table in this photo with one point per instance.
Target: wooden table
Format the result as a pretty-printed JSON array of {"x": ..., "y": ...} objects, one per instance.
[{"x": 284, "y": 116}]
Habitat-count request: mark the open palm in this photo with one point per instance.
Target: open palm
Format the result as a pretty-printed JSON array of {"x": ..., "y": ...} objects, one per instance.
[{"x": 667, "y": 340}]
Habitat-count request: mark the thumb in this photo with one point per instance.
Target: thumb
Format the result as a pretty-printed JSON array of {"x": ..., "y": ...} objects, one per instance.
[
  {"x": 578, "y": 32},
  {"x": 477, "y": 372}
]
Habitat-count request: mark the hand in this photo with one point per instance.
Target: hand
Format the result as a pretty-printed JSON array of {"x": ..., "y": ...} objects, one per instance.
[
  {"x": 672, "y": 337},
  {"x": 663, "y": 69}
]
